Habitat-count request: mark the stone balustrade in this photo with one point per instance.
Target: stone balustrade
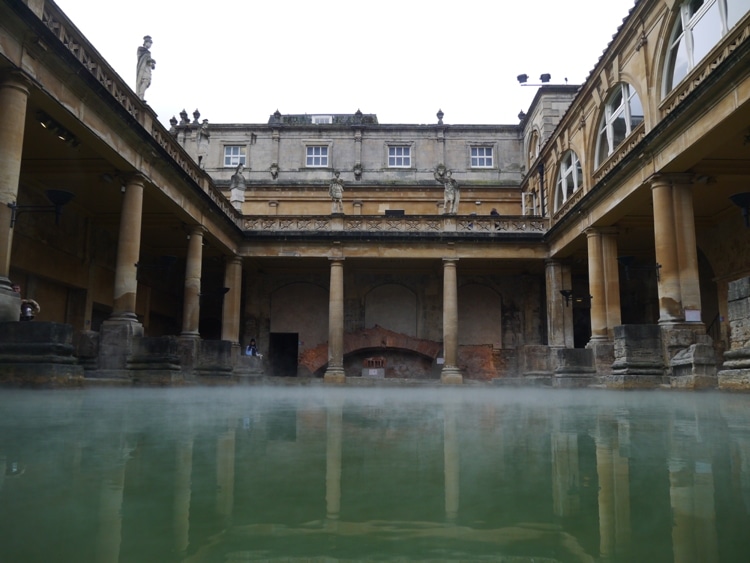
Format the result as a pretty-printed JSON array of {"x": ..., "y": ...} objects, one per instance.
[{"x": 426, "y": 224}]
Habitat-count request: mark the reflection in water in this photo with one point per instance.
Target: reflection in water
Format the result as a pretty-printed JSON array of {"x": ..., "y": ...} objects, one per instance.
[{"x": 313, "y": 474}]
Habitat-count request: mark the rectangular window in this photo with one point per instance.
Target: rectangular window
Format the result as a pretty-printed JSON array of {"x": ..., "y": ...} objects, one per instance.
[
  {"x": 318, "y": 119},
  {"x": 399, "y": 157},
  {"x": 317, "y": 156},
  {"x": 234, "y": 155},
  {"x": 481, "y": 157}
]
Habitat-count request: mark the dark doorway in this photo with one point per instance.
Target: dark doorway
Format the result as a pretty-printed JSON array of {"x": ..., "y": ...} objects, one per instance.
[{"x": 282, "y": 354}]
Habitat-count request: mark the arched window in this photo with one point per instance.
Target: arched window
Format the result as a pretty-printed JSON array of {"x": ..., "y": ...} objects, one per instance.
[
  {"x": 569, "y": 180},
  {"x": 622, "y": 113},
  {"x": 534, "y": 147},
  {"x": 699, "y": 26}
]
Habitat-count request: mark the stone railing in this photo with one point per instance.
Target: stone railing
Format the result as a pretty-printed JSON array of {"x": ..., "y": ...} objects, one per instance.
[
  {"x": 65, "y": 31},
  {"x": 69, "y": 36},
  {"x": 426, "y": 224}
]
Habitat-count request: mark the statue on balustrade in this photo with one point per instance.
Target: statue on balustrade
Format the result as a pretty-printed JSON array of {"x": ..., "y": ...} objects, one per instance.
[
  {"x": 452, "y": 193},
  {"x": 145, "y": 65},
  {"x": 336, "y": 191}
]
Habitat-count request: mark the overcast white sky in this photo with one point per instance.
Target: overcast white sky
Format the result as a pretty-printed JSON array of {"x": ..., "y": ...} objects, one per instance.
[{"x": 238, "y": 61}]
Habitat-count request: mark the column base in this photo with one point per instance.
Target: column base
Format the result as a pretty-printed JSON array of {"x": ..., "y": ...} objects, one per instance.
[
  {"x": 335, "y": 375},
  {"x": 451, "y": 375}
]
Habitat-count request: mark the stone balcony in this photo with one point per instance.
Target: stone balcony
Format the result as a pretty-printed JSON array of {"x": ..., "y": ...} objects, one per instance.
[{"x": 412, "y": 226}]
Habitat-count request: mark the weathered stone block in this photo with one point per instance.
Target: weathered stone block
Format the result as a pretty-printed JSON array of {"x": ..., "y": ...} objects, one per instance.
[
  {"x": 38, "y": 353},
  {"x": 637, "y": 351},
  {"x": 739, "y": 289},
  {"x": 214, "y": 358}
]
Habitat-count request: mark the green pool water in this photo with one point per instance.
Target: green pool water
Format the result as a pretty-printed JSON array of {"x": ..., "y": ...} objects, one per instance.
[{"x": 329, "y": 474}]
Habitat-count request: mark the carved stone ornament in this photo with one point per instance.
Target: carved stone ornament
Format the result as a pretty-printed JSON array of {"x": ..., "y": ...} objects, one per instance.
[
  {"x": 274, "y": 170},
  {"x": 358, "y": 171}
]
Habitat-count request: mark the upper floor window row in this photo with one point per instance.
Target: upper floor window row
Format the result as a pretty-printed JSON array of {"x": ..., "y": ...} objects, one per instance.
[
  {"x": 700, "y": 25},
  {"x": 234, "y": 155},
  {"x": 622, "y": 113}
]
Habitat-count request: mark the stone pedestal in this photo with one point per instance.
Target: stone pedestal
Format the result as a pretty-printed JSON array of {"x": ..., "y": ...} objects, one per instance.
[
  {"x": 638, "y": 360},
  {"x": 694, "y": 367},
  {"x": 115, "y": 346},
  {"x": 155, "y": 361},
  {"x": 10, "y": 302},
  {"x": 573, "y": 367},
  {"x": 38, "y": 354},
  {"x": 735, "y": 372}
]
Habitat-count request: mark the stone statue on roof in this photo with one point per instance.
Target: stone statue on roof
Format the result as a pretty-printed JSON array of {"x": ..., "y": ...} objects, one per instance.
[{"x": 145, "y": 65}]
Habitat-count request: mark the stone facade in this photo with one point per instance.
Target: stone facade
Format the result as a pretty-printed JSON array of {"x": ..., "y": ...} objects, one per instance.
[{"x": 612, "y": 224}]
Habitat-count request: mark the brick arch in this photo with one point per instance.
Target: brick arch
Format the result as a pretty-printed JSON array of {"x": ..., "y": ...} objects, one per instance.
[{"x": 377, "y": 339}]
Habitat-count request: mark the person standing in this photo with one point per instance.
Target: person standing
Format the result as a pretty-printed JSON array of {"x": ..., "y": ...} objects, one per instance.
[{"x": 29, "y": 307}]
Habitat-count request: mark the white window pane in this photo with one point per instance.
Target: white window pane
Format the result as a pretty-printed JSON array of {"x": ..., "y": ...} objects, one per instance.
[
  {"x": 619, "y": 131},
  {"x": 706, "y": 33},
  {"x": 736, "y": 9},
  {"x": 679, "y": 63},
  {"x": 636, "y": 111}
]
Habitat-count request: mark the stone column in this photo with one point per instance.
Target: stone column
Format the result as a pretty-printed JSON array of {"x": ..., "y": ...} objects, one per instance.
[
  {"x": 687, "y": 249},
  {"x": 191, "y": 307},
  {"x": 230, "y": 318},
  {"x": 225, "y": 458},
  {"x": 450, "y": 372},
  {"x": 334, "y": 434},
  {"x": 182, "y": 493},
  {"x": 597, "y": 287},
  {"x": 128, "y": 251},
  {"x": 559, "y": 315},
  {"x": 566, "y": 479},
  {"x": 670, "y": 301},
  {"x": 452, "y": 462},
  {"x": 335, "y": 371},
  {"x": 604, "y": 470},
  {"x": 611, "y": 281},
  {"x": 14, "y": 93}
]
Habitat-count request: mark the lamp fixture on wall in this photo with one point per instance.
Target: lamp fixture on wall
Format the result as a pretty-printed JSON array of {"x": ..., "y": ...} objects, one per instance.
[
  {"x": 58, "y": 198},
  {"x": 570, "y": 296},
  {"x": 627, "y": 263},
  {"x": 58, "y": 130},
  {"x": 742, "y": 200}
]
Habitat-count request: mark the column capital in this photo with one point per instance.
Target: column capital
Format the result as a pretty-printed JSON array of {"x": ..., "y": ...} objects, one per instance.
[
  {"x": 135, "y": 178},
  {"x": 661, "y": 180},
  {"x": 447, "y": 261},
  {"x": 198, "y": 230},
  {"x": 16, "y": 79},
  {"x": 598, "y": 231}
]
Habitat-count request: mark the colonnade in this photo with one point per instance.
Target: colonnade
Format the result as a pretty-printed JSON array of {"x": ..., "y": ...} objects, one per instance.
[{"x": 450, "y": 373}]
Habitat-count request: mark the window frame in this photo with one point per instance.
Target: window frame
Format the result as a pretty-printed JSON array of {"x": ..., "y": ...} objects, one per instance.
[
  {"x": 390, "y": 158},
  {"x": 624, "y": 110},
  {"x": 308, "y": 156},
  {"x": 234, "y": 160},
  {"x": 475, "y": 159},
  {"x": 570, "y": 170},
  {"x": 682, "y": 38}
]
